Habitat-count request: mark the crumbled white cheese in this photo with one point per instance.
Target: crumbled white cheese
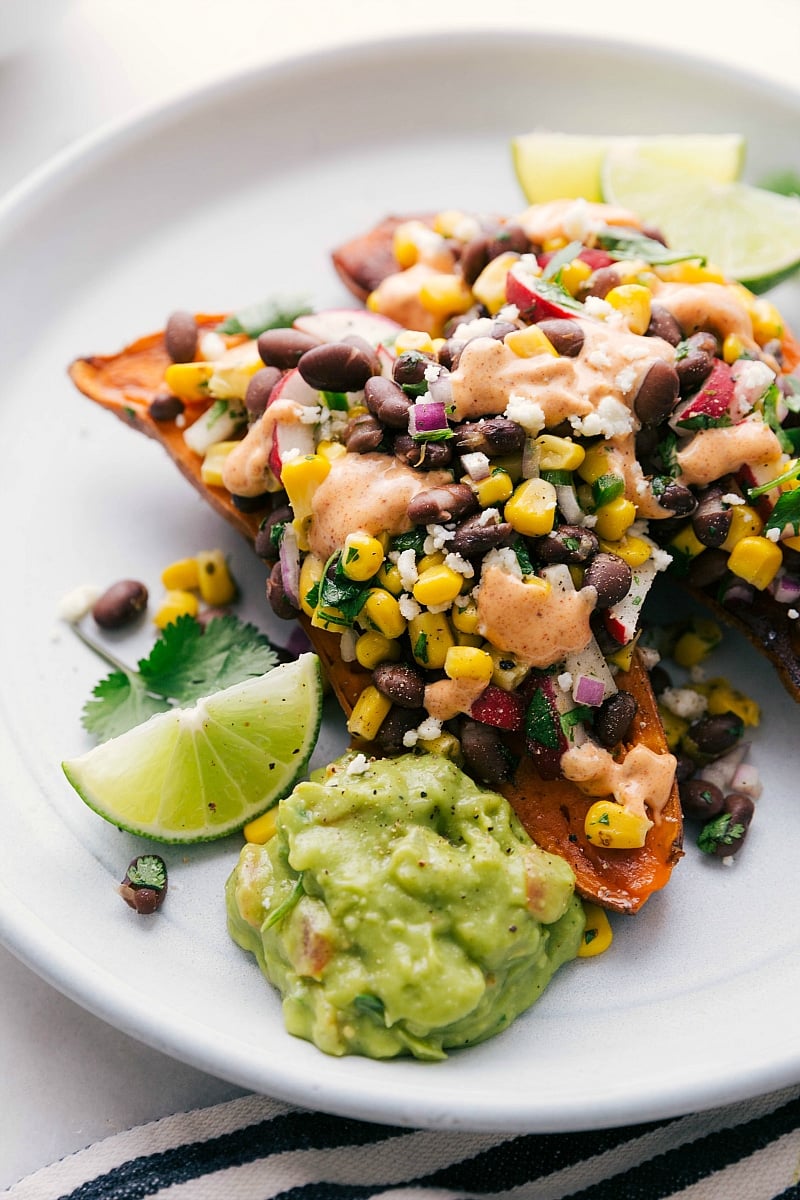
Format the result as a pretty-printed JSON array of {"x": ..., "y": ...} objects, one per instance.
[
  {"x": 509, "y": 312},
  {"x": 728, "y": 860},
  {"x": 599, "y": 359},
  {"x": 625, "y": 379},
  {"x": 595, "y": 307},
  {"x": 437, "y": 537},
  {"x": 357, "y": 765},
  {"x": 311, "y": 414},
  {"x": 732, "y": 498},
  {"x": 504, "y": 558},
  {"x": 408, "y": 606},
  {"x": 429, "y": 729},
  {"x": 476, "y": 464},
  {"x": 488, "y": 516},
  {"x": 77, "y": 603},
  {"x": 632, "y": 351},
  {"x": 460, "y": 565},
  {"x": 410, "y": 738},
  {"x": 564, "y": 681},
  {"x": 773, "y": 535},
  {"x": 432, "y": 372},
  {"x": 610, "y": 419},
  {"x": 407, "y": 566},
  {"x": 649, "y": 657},
  {"x": 466, "y": 228},
  {"x": 792, "y": 614},
  {"x": 180, "y": 421},
  {"x": 751, "y": 379},
  {"x": 468, "y": 330},
  {"x": 578, "y": 223},
  {"x": 684, "y": 702},
  {"x": 526, "y": 413},
  {"x": 589, "y": 520},
  {"x": 211, "y": 346},
  {"x": 697, "y": 674},
  {"x": 661, "y": 558}
]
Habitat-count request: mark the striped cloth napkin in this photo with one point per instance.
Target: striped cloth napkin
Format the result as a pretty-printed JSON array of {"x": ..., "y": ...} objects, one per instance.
[{"x": 257, "y": 1149}]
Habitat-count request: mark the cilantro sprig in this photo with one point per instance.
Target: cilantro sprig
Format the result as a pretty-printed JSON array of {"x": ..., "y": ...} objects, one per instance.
[
  {"x": 185, "y": 663},
  {"x": 637, "y": 245},
  {"x": 266, "y": 314}
]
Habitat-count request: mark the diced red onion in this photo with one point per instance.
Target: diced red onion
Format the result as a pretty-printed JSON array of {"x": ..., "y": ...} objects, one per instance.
[
  {"x": 723, "y": 769},
  {"x": 427, "y": 417},
  {"x": 589, "y": 690},
  {"x": 786, "y": 589},
  {"x": 738, "y": 592},
  {"x": 290, "y": 565}
]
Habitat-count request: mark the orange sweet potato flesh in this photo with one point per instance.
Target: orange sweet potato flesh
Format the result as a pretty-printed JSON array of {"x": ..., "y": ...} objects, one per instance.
[{"x": 552, "y": 811}]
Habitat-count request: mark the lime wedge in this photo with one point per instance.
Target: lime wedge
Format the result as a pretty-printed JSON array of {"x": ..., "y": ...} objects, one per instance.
[
  {"x": 746, "y": 232},
  {"x": 195, "y": 774},
  {"x": 555, "y": 166}
]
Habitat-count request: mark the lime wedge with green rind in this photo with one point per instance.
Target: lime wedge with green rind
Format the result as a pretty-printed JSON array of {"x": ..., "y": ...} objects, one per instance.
[
  {"x": 199, "y": 773},
  {"x": 748, "y": 233},
  {"x": 555, "y": 166}
]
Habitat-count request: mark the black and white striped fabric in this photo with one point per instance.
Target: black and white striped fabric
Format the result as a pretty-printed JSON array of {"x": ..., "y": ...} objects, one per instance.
[{"x": 258, "y": 1149}]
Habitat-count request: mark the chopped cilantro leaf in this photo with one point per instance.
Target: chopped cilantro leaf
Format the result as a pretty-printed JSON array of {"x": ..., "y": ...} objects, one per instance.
[
  {"x": 560, "y": 260},
  {"x": 148, "y": 870},
  {"x": 523, "y": 557},
  {"x": 421, "y": 648},
  {"x": 786, "y": 512},
  {"x": 119, "y": 702},
  {"x": 785, "y": 183},
  {"x": 267, "y": 314},
  {"x": 413, "y": 540},
  {"x": 636, "y": 245},
  {"x": 722, "y": 831},
  {"x": 540, "y": 724},
  {"x": 575, "y": 716}
]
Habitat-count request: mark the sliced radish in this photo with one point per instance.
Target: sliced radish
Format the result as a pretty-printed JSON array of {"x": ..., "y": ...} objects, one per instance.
[
  {"x": 545, "y": 740},
  {"x": 723, "y": 769},
  {"x": 290, "y": 438},
  {"x": 336, "y": 323},
  {"x": 622, "y": 620},
  {"x": 503, "y": 710},
  {"x": 589, "y": 662},
  {"x": 747, "y": 781},
  {"x": 290, "y": 564},
  {"x": 537, "y": 298},
  {"x": 711, "y": 405}
]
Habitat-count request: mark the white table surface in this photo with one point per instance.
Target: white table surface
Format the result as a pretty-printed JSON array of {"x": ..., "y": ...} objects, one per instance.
[{"x": 69, "y": 1079}]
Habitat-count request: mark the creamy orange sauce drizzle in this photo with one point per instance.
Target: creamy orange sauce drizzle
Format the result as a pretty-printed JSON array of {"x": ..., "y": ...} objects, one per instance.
[
  {"x": 712, "y": 453},
  {"x": 565, "y": 218},
  {"x": 397, "y": 297},
  {"x": 642, "y": 781},
  {"x": 710, "y": 306},
  {"x": 246, "y": 470},
  {"x": 447, "y": 698},
  {"x": 539, "y": 626}
]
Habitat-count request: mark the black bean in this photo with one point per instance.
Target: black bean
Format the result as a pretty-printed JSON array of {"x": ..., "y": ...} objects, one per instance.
[
  {"x": 180, "y": 336},
  {"x": 425, "y": 456},
  {"x": 496, "y": 436},
  {"x": 477, "y": 535},
  {"x": 566, "y": 336},
  {"x": 700, "y": 799},
  {"x": 660, "y": 681},
  {"x": 387, "y": 401},
  {"x": 654, "y": 233},
  {"x": 613, "y": 718},
  {"x": 685, "y": 768},
  {"x": 695, "y": 365},
  {"x": 663, "y": 325},
  {"x": 250, "y": 504},
  {"x": 259, "y": 390},
  {"x": 707, "y": 568},
  {"x": 485, "y": 756},
  {"x": 264, "y": 545},
  {"x": 363, "y": 434},
  {"x": 610, "y": 576},
  {"x": 509, "y": 238},
  {"x": 474, "y": 257},
  {"x": 120, "y": 604},
  {"x": 336, "y": 367},
  {"x": 712, "y": 519},
  {"x": 723, "y": 836},
  {"x": 360, "y": 343},
  {"x": 501, "y": 329},
  {"x": 410, "y": 367},
  {"x": 657, "y": 394},
  {"x": 283, "y": 348},
  {"x": 449, "y": 502},
  {"x": 601, "y": 282},
  {"x": 567, "y": 544},
  {"x": 404, "y": 685},
  {"x": 395, "y": 726},
  {"x": 712, "y": 736},
  {"x": 450, "y": 353},
  {"x": 677, "y": 499},
  {"x": 165, "y": 407},
  {"x": 279, "y": 602}
]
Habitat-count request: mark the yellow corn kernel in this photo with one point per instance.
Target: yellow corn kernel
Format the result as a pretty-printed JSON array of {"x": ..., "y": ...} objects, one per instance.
[
  {"x": 792, "y": 542},
  {"x": 494, "y": 489},
  {"x": 372, "y": 648},
  {"x": 595, "y": 463},
  {"x": 597, "y": 935},
  {"x": 334, "y": 450},
  {"x": 559, "y": 453},
  {"x": 189, "y": 380},
  {"x": 633, "y": 550},
  {"x": 259, "y": 831},
  {"x": 574, "y": 275},
  {"x": 448, "y": 222},
  {"x": 756, "y": 560},
  {"x": 437, "y": 585},
  {"x": 722, "y": 698},
  {"x": 413, "y": 339},
  {"x": 674, "y": 726},
  {"x": 445, "y": 295},
  {"x": 301, "y": 477},
  {"x": 214, "y": 580},
  {"x": 732, "y": 348},
  {"x": 633, "y": 301},
  {"x": 311, "y": 570},
  {"x": 214, "y": 461},
  {"x": 468, "y": 662},
  {"x": 181, "y": 575},
  {"x": 389, "y": 577},
  {"x": 685, "y": 544},
  {"x": 577, "y": 573},
  {"x": 328, "y": 616},
  {"x": 531, "y": 510},
  {"x": 431, "y": 637},
  {"x": 430, "y": 560},
  {"x": 623, "y": 658},
  {"x": 362, "y": 556},
  {"x": 689, "y": 272},
  {"x": 176, "y": 603},
  {"x": 745, "y": 522},
  {"x": 369, "y": 712},
  {"x": 614, "y": 519},
  {"x": 551, "y": 244},
  {"x": 508, "y": 673},
  {"x": 382, "y": 612},
  {"x": 609, "y": 824},
  {"x": 464, "y": 617},
  {"x": 469, "y": 639},
  {"x": 490, "y": 286},
  {"x": 767, "y": 321},
  {"x": 537, "y": 582},
  {"x": 404, "y": 243},
  {"x": 446, "y": 745},
  {"x": 528, "y": 342}
]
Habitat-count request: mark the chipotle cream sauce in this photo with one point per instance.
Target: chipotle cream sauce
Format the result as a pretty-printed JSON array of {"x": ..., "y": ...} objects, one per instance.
[
  {"x": 447, "y": 698},
  {"x": 246, "y": 470},
  {"x": 712, "y": 306},
  {"x": 397, "y": 297},
  {"x": 712, "y": 453},
  {"x": 559, "y": 218},
  {"x": 539, "y": 626},
  {"x": 642, "y": 781}
]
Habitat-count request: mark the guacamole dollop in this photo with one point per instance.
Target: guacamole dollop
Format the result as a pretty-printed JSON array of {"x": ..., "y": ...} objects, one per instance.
[{"x": 401, "y": 909}]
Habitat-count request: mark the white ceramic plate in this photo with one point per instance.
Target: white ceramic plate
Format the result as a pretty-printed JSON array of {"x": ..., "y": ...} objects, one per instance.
[{"x": 219, "y": 200}]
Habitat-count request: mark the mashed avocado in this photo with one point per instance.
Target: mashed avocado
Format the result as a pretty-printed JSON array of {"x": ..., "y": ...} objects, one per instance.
[{"x": 400, "y": 909}]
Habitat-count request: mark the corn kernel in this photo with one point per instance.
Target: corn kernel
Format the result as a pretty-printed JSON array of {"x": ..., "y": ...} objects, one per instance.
[
  {"x": 181, "y": 575},
  {"x": 532, "y": 508},
  {"x": 597, "y": 934},
  {"x": 468, "y": 662},
  {"x": 382, "y": 612},
  {"x": 369, "y": 712},
  {"x": 404, "y": 244},
  {"x": 552, "y": 244},
  {"x": 685, "y": 545},
  {"x": 674, "y": 726},
  {"x": 574, "y": 275},
  {"x": 756, "y": 560},
  {"x": 767, "y": 321},
  {"x": 722, "y": 698},
  {"x": 259, "y": 831},
  {"x": 792, "y": 542},
  {"x": 614, "y": 519},
  {"x": 389, "y": 577},
  {"x": 189, "y": 381},
  {"x": 431, "y": 637},
  {"x": 362, "y": 556},
  {"x": 214, "y": 461},
  {"x": 311, "y": 570},
  {"x": 176, "y": 603},
  {"x": 633, "y": 301},
  {"x": 445, "y": 295},
  {"x": 490, "y": 286},
  {"x": 437, "y": 585},
  {"x": 372, "y": 648},
  {"x": 745, "y": 522},
  {"x": 558, "y": 453},
  {"x": 469, "y": 639},
  {"x": 413, "y": 339},
  {"x": 430, "y": 560},
  {"x": 446, "y": 745},
  {"x": 696, "y": 643},
  {"x": 214, "y": 579},
  {"x": 617, "y": 828},
  {"x": 632, "y": 550},
  {"x": 595, "y": 463},
  {"x": 623, "y": 658},
  {"x": 494, "y": 489},
  {"x": 334, "y": 450},
  {"x": 508, "y": 672},
  {"x": 732, "y": 348},
  {"x": 328, "y": 616},
  {"x": 528, "y": 342},
  {"x": 689, "y": 272},
  {"x": 464, "y": 617},
  {"x": 448, "y": 222}
]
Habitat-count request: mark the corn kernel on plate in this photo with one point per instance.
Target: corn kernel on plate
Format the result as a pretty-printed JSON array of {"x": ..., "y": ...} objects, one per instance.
[{"x": 694, "y": 1004}]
